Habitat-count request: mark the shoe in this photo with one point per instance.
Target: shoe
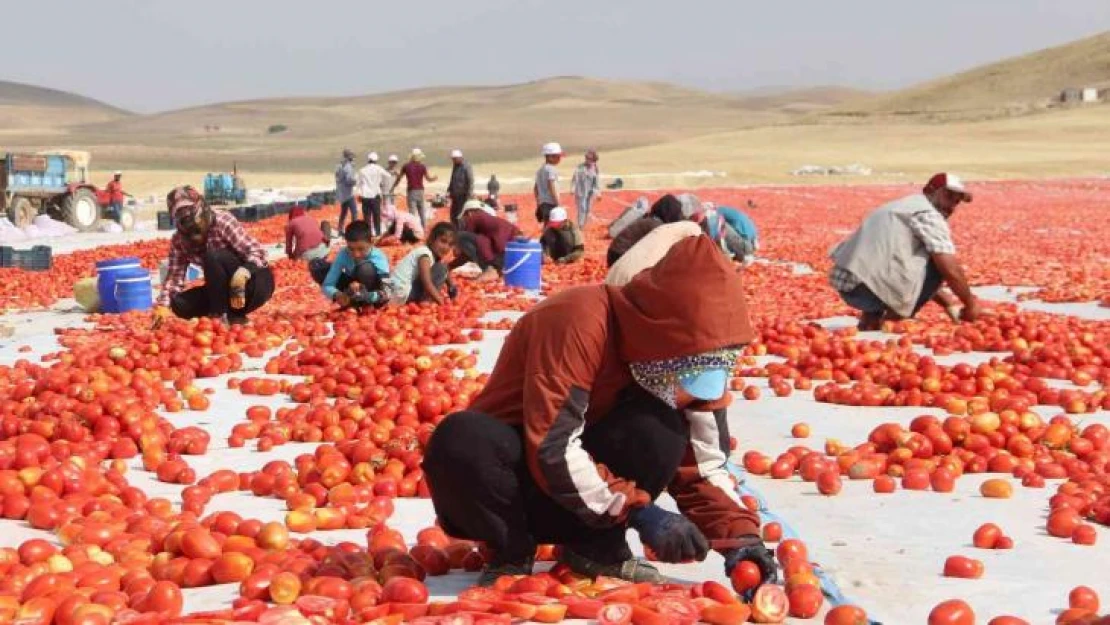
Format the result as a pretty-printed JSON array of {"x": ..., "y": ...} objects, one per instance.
[
  {"x": 494, "y": 572},
  {"x": 635, "y": 570}
]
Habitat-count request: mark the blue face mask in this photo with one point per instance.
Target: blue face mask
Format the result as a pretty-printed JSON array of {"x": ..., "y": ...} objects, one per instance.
[{"x": 704, "y": 376}]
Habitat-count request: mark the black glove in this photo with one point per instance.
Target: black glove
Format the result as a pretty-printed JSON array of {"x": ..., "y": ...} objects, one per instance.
[
  {"x": 671, "y": 536},
  {"x": 452, "y": 291},
  {"x": 757, "y": 554}
]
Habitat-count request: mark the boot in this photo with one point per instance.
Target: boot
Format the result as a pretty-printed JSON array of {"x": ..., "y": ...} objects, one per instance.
[
  {"x": 635, "y": 570},
  {"x": 495, "y": 571}
]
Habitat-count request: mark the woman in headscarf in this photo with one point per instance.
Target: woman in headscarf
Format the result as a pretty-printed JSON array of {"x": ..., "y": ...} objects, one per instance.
[
  {"x": 237, "y": 278},
  {"x": 602, "y": 398},
  {"x": 482, "y": 239},
  {"x": 666, "y": 210},
  {"x": 586, "y": 184}
]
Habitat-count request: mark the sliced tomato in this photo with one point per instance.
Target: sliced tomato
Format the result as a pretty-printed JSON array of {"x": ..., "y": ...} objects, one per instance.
[
  {"x": 478, "y": 593},
  {"x": 409, "y": 610},
  {"x": 726, "y": 614},
  {"x": 458, "y": 618},
  {"x": 515, "y": 609},
  {"x": 621, "y": 594},
  {"x": 679, "y": 609},
  {"x": 473, "y": 605},
  {"x": 535, "y": 598},
  {"x": 550, "y": 613},
  {"x": 582, "y": 607},
  {"x": 615, "y": 614},
  {"x": 643, "y": 615}
]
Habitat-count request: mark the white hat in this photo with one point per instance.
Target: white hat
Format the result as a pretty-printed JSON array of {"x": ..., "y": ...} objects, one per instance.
[
  {"x": 552, "y": 149},
  {"x": 417, "y": 152},
  {"x": 372, "y": 157},
  {"x": 118, "y": 173},
  {"x": 456, "y": 153},
  {"x": 557, "y": 215},
  {"x": 393, "y": 158}
]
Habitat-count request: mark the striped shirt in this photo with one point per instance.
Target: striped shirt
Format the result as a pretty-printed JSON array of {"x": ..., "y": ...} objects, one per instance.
[{"x": 930, "y": 227}]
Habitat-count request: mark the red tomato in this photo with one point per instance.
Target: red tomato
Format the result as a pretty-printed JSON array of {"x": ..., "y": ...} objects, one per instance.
[
  {"x": 745, "y": 576},
  {"x": 614, "y": 614},
  {"x": 404, "y": 590},
  {"x": 846, "y": 615},
  {"x": 952, "y": 612},
  {"x": 770, "y": 605},
  {"x": 963, "y": 567},
  {"x": 1083, "y": 597},
  {"x": 805, "y": 600}
]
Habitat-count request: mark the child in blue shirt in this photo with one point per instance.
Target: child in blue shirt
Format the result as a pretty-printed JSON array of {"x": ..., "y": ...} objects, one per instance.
[{"x": 355, "y": 277}]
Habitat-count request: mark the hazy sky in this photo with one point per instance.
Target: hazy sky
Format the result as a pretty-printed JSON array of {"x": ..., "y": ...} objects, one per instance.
[{"x": 150, "y": 55}]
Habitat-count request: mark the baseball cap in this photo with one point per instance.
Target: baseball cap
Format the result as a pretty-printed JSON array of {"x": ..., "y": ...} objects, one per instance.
[
  {"x": 393, "y": 158},
  {"x": 552, "y": 149},
  {"x": 948, "y": 181},
  {"x": 708, "y": 385},
  {"x": 372, "y": 157},
  {"x": 456, "y": 153},
  {"x": 557, "y": 216}
]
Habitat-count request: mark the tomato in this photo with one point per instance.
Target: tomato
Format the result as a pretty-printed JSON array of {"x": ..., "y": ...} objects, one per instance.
[
  {"x": 952, "y": 612},
  {"x": 846, "y": 615},
  {"x": 677, "y": 609},
  {"x": 726, "y": 614},
  {"x": 770, "y": 604},
  {"x": 404, "y": 590},
  {"x": 828, "y": 482},
  {"x": 963, "y": 567},
  {"x": 996, "y": 488},
  {"x": 1076, "y": 616},
  {"x": 642, "y": 615},
  {"x": 584, "y": 608},
  {"x": 791, "y": 549},
  {"x": 285, "y": 588},
  {"x": 986, "y": 537},
  {"x": 1083, "y": 597},
  {"x": 1007, "y": 620},
  {"x": 745, "y": 576},
  {"x": 805, "y": 600},
  {"x": 163, "y": 598},
  {"x": 515, "y": 609}
]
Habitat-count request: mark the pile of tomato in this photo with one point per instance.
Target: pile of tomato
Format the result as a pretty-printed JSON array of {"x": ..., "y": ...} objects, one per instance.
[{"x": 369, "y": 389}]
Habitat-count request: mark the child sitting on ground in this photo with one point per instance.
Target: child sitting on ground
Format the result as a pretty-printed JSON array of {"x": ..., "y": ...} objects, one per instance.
[
  {"x": 356, "y": 276},
  {"x": 422, "y": 273},
  {"x": 562, "y": 240}
]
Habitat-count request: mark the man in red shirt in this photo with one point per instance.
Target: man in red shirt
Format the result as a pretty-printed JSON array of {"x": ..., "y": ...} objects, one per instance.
[
  {"x": 115, "y": 196},
  {"x": 415, "y": 174}
]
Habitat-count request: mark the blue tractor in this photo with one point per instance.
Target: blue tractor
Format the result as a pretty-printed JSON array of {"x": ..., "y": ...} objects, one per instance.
[
  {"x": 55, "y": 183},
  {"x": 225, "y": 188}
]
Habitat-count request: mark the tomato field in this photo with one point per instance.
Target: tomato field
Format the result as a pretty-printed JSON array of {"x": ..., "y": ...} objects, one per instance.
[{"x": 930, "y": 473}]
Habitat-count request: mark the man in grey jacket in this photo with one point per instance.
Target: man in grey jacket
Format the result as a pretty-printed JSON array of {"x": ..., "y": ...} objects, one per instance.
[
  {"x": 899, "y": 257},
  {"x": 345, "y": 180},
  {"x": 461, "y": 185}
]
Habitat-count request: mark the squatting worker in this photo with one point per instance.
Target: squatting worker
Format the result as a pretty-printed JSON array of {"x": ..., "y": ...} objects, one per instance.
[
  {"x": 897, "y": 259},
  {"x": 582, "y": 426},
  {"x": 237, "y": 278}
]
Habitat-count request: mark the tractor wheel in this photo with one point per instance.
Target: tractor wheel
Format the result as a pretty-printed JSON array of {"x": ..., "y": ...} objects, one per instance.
[
  {"x": 127, "y": 219},
  {"x": 21, "y": 212},
  {"x": 81, "y": 210}
]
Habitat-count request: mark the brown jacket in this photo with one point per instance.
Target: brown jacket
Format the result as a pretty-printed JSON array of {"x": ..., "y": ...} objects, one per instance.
[{"x": 556, "y": 377}]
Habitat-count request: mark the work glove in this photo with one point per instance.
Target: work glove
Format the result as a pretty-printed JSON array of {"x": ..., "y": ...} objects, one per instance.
[
  {"x": 755, "y": 553},
  {"x": 161, "y": 313},
  {"x": 672, "y": 537},
  {"x": 452, "y": 291}
]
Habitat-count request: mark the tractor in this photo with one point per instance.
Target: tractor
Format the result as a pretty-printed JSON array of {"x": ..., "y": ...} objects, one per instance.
[
  {"x": 225, "y": 188},
  {"x": 55, "y": 183}
]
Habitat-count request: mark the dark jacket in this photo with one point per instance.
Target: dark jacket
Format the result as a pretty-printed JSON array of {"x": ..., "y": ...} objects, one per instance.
[{"x": 462, "y": 180}]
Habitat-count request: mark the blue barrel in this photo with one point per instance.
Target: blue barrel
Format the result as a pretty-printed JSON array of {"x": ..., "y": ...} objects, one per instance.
[
  {"x": 106, "y": 273},
  {"x": 133, "y": 291},
  {"x": 523, "y": 260}
]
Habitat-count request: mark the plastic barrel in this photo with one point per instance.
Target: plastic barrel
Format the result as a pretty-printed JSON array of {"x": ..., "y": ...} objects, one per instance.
[
  {"x": 134, "y": 292},
  {"x": 106, "y": 273},
  {"x": 523, "y": 260}
]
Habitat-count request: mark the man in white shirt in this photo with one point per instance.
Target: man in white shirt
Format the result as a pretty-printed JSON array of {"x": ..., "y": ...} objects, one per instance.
[{"x": 371, "y": 178}]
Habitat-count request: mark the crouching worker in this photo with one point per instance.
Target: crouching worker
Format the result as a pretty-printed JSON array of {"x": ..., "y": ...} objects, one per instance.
[
  {"x": 583, "y": 425},
  {"x": 482, "y": 239},
  {"x": 304, "y": 240},
  {"x": 356, "y": 276},
  {"x": 400, "y": 226},
  {"x": 562, "y": 240},
  {"x": 237, "y": 278},
  {"x": 420, "y": 275}
]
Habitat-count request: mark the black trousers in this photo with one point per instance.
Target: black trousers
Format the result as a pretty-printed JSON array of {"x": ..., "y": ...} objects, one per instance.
[
  {"x": 347, "y": 207},
  {"x": 457, "y": 203},
  {"x": 372, "y": 208},
  {"x": 482, "y": 488},
  {"x": 439, "y": 276},
  {"x": 213, "y": 298},
  {"x": 541, "y": 212}
]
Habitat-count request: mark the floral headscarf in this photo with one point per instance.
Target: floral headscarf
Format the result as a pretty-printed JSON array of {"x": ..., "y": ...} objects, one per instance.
[
  {"x": 184, "y": 202},
  {"x": 659, "y": 377}
]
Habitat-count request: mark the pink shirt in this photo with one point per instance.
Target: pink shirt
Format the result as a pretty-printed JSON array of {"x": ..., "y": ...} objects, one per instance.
[
  {"x": 400, "y": 220},
  {"x": 301, "y": 235}
]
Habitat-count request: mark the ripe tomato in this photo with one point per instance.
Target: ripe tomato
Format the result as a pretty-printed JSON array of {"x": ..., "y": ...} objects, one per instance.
[
  {"x": 1083, "y": 597},
  {"x": 952, "y": 612},
  {"x": 963, "y": 567},
  {"x": 404, "y": 590},
  {"x": 828, "y": 482},
  {"x": 791, "y": 549},
  {"x": 1007, "y": 620},
  {"x": 614, "y": 614},
  {"x": 986, "y": 537},
  {"x": 846, "y": 615},
  {"x": 769, "y": 604},
  {"x": 745, "y": 576},
  {"x": 805, "y": 600}
]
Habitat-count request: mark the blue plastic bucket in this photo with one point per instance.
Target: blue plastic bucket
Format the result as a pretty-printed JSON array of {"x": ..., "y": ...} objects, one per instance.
[
  {"x": 523, "y": 260},
  {"x": 106, "y": 273},
  {"x": 134, "y": 292}
]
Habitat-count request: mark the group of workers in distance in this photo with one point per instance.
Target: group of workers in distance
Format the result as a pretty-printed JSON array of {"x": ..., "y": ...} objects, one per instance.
[{"x": 582, "y": 426}]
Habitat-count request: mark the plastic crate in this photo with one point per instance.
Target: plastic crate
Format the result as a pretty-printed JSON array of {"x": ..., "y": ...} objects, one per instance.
[
  {"x": 7, "y": 253},
  {"x": 38, "y": 258},
  {"x": 265, "y": 211},
  {"x": 165, "y": 220}
]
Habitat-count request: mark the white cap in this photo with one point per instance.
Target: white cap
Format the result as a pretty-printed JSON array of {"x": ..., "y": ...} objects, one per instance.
[
  {"x": 118, "y": 173},
  {"x": 372, "y": 157},
  {"x": 393, "y": 158},
  {"x": 417, "y": 152},
  {"x": 551, "y": 149},
  {"x": 456, "y": 153},
  {"x": 557, "y": 214}
]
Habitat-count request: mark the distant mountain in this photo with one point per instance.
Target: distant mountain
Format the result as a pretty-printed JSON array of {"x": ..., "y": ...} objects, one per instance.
[{"x": 27, "y": 107}]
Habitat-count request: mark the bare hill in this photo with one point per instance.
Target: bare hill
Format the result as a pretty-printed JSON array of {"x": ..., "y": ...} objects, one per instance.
[
  {"x": 500, "y": 122},
  {"x": 30, "y": 108},
  {"x": 1018, "y": 84}
]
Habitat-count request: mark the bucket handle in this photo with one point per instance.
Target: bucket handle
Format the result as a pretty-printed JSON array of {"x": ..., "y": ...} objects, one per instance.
[{"x": 518, "y": 263}]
